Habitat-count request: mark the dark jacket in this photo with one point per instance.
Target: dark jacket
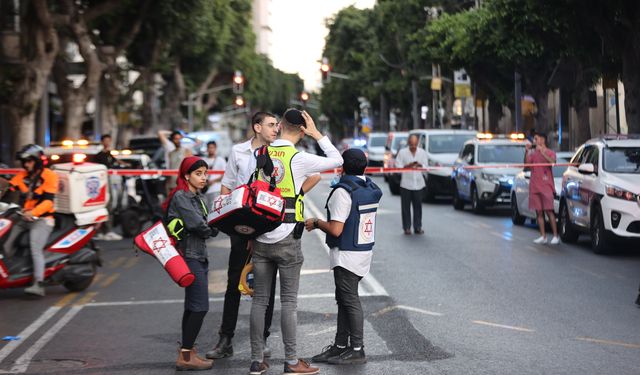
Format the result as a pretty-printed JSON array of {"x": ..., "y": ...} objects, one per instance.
[{"x": 189, "y": 207}]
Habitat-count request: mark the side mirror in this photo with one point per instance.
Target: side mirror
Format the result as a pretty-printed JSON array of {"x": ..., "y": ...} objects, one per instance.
[
  {"x": 586, "y": 168},
  {"x": 527, "y": 174}
]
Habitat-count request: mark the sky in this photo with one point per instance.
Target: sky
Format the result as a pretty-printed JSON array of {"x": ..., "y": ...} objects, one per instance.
[{"x": 298, "y": 32}]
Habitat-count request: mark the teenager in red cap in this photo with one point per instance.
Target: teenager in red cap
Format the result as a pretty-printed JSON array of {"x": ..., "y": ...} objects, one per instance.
[{"x": 186, "y": 218}]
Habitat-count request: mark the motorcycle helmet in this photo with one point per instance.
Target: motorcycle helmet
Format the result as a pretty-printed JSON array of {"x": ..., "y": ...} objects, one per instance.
[{"x": 32, "y": 152}]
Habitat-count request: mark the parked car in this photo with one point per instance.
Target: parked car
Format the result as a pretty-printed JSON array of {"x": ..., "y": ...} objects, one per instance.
[
  {"x": 601, "y": 195},
  {"x": 520, "y": 191},
  {"x": 442, "y": 147},
  {"x": 490, "y": 184},
  {"x": 376, "y": 148},
  {"x": 222, "y": 139}
]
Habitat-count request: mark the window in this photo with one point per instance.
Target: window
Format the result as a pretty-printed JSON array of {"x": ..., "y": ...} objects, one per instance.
[
  {"x": 500, "y": 153},
  {"x": 467, "y": 153},
  {"x": 447, "y": 143},
  {"x": 621, "y": 159}
]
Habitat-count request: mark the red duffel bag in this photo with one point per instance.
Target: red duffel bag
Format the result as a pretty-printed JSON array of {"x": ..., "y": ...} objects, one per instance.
[
  {"x": 156, "y": 242},
  {"x": 251, "y": 209}
]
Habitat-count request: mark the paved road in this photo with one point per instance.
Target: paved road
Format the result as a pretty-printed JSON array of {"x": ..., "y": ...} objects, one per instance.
[{"x": 471, "y": 296}]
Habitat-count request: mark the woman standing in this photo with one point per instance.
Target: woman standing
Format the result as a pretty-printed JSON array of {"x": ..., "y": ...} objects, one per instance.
[{"x": 186, "y": 219}]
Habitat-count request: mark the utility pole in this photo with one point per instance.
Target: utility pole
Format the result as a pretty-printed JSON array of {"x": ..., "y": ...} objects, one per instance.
[
  {"x": 414, "y": 109},
  {"x": 518, "y": 98}
]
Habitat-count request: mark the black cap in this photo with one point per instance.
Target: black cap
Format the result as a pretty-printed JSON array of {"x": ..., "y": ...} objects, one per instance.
[
  {"x": 294, "y": 117},
  {"x": 355, "y": 161}
]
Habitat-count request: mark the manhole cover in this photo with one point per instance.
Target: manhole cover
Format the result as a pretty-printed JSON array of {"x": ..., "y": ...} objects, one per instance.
[{"x": 45, "y": 365}]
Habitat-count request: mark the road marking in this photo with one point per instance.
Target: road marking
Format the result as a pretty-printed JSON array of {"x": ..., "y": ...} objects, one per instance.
[
  {"x": 484, "y": 225},
  {"x": 406, "y": 308},
  {"x": 609, "y": 342},
  {"x": 117, "y": 262},
  {"x": 369, "y": 282},
  {"x": 322, "y": 332},
  {"x": 521, "y": 329},
  {"x": 589, "y": 272},
  {"x": 27, "y": 332},
  {"x": 98, "y": 277},
  {"x": 132, "y": 262},
  {"x": 23, "y": 362},
  {"x": 109, "y": 280},
  {"x": 315, "y": 272},
  {"x": 66, "y": 299},
  {"x": 85, "y": 299}
]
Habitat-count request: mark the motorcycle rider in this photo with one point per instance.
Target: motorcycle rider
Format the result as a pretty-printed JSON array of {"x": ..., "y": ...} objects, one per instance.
[{"x": 37, "y": 187}]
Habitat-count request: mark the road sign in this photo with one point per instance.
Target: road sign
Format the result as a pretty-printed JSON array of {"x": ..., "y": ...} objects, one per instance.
[
  {"x": 436, "y": 84},
  {"x": 461, "y": 84}
]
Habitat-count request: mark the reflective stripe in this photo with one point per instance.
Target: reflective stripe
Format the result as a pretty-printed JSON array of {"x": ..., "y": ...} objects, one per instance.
[
  {"x": 289, "y": 210},
  {"x": 368, "y": 206}
]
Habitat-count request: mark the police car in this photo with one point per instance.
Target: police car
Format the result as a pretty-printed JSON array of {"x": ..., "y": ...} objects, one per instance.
[
  {"x": 482, "y": 174},
  {"x": 601, "y": 195},
  {"x": 520, "y": 191}
]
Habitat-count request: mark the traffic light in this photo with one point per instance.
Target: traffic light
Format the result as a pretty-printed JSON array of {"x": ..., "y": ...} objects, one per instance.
[
  {"x": 304, "y": 97},
  {"x": 238, "y": 82},
  {"x": 325, "y": 68},
  {"x": 239, "y": 102}
]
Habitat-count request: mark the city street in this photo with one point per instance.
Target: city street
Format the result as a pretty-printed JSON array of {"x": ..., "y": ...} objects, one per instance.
[{"x": 473, "y": 295}]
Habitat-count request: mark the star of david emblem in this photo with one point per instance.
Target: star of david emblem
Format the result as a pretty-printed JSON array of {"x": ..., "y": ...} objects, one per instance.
[
  {"x": 159, "y": 244},
  {"x": 272, "y": 201},
  {"x": 217, "y": 205},
  {"x": 368, "y": 227}
]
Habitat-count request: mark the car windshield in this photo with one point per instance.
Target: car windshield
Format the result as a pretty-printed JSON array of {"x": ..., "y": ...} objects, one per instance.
[
  {"x": 377, "y": 141},
  {"x": 558, "y": 171},
  {"x": 399, "y": 141},
  {"x": 500, "y": 153},
  {"x": 622, "y": 159},
  {"x": 447, "y": 143}
]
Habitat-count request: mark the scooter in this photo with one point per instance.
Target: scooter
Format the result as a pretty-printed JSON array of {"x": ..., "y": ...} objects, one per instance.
[{"x": 71, "y": 258}]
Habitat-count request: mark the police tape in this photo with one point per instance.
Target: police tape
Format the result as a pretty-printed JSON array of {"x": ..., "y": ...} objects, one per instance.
[{"x": 368, "y": 170}]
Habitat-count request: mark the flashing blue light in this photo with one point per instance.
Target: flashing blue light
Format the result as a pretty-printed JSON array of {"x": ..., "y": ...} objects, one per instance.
[{"x": 510, "y": 181}]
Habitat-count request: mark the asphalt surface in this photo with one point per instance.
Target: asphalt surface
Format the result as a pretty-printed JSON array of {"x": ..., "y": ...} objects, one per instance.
[{"x": 473, "y": 295}]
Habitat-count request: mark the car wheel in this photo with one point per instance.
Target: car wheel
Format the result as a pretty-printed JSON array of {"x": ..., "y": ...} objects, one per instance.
[
  {"x": 516, "y": 218},
  {"x": 476, "y": 205},
  {"x": 568, "y": 233},
  {"x": 458, "y": 204},
  {"x": 600, "y": 237},
  {"x": 130, "y": 223},
  {"x": 394, "y": 187}
]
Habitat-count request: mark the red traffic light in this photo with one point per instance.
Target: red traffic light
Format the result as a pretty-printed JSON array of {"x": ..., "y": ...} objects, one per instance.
[
  {"x": 239, "y": 102},
  {"x": 304, "y": 96},
  {"x": 238, "y": 82}
]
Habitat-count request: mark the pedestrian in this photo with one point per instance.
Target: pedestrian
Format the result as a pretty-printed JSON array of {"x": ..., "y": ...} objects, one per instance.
[
  {"x": 281, "y": 248},
  {"x": 541, "y": 186},
  {"x": 174, "y": 153},
  {"x": 186, "y": 218},
  {"x": 350, "y": 228},
  {"x": 105, "y": 158},
  {"x": 37, "y": 186},
  {"x": 215, "y": 163},
  {"x": 411, "y": 184},
  {"x": 239, "y": 168}
]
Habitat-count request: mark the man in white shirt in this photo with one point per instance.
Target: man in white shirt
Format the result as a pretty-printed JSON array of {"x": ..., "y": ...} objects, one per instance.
[
  {"x": 174, "y": 154},
  {"x": 280, "y": 248},
  {"x": 350, "y": 229},
  {"x": 215, "y": 163},
  {"x": 411, "y": 184}
]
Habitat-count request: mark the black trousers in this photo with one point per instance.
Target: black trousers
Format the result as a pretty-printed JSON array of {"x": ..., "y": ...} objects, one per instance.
[
  {"x": 409, "y": 199},
  {"x": 350, "y": 316},
  {"x": 237, "y": 258}
]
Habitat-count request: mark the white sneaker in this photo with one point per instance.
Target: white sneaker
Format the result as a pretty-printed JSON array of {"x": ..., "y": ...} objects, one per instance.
[
  {"x": 540, "y": 240},
  {"x": 99, "y": 237},
  {"x": 112, "y": 236},
  {"x": 555, "y": 240},
  {"x": 36, "y": 289}
]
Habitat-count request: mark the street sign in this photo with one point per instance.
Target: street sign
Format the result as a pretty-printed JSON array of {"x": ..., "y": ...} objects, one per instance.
[
  {"x": 436, "y": 84},
  {"x": 461, "y": 84}
]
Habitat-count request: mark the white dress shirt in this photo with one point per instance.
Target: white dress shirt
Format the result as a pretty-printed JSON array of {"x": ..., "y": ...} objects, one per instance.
[
  {"x": 303, "y": 165},
  {"x": 215, "y": 164},
  {"x": 357, "y": 262},
  {"x": 240, "y": 166},
  {"x": 411, "y": 180}
]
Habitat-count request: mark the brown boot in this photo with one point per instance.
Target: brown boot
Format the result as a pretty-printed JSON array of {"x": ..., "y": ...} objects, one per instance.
[{"x": 189, "y": 360}]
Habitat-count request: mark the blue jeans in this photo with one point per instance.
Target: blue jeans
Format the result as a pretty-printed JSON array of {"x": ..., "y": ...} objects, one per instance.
[{"x": 286, "y": 256}]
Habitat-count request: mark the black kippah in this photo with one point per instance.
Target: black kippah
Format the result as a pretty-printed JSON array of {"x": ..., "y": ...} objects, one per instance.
[{"x": 294, "y": 117}]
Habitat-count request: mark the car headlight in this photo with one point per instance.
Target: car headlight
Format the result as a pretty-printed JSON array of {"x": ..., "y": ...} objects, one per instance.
[
  {"x": 490, "y": 177},
  {"x": 619, "y": 193}
]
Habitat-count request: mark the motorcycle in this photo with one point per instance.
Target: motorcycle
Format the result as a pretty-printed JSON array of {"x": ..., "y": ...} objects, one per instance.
[{"x": 71, "y": 258}]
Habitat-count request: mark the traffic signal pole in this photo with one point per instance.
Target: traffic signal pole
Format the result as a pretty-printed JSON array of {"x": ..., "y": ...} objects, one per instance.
[{"x": 194, "y": 95}]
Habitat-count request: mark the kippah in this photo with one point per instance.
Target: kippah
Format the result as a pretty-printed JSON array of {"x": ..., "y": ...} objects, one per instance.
[{"x": 294, "y": 117}]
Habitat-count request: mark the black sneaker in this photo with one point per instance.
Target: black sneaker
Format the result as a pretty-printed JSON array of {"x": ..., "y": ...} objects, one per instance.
[
  {"x": 349, "y": 357},
  {"x": 258, "y": 368},
  {"x": 328, "y": 352}
]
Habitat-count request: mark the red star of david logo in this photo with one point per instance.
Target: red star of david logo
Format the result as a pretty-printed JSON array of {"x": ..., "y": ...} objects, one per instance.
[
  {"x": 368, "y": 227},
  {"x": 217, "y": 205},
  {"x": 272, "y": 201},
  {"x": 159, "y": 244}
]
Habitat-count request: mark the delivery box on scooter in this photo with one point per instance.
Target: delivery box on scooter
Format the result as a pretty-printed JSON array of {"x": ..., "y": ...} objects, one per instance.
[{"x": 81, "y": 187}]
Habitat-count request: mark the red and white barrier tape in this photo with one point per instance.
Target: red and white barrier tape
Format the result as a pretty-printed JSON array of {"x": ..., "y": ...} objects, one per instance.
[{"x": 369, "y": 170}]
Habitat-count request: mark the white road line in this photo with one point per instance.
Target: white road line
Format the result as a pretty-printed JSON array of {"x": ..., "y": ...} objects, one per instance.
[
  {"x": 322, "y": 332},
  {"x": 370, "y": 282},
  {"x": 23, "y": 362},
  {"x": 406, "y": 308},
  {"x": 27, "y": 332},
  {"x": 521, "y": 329}
]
